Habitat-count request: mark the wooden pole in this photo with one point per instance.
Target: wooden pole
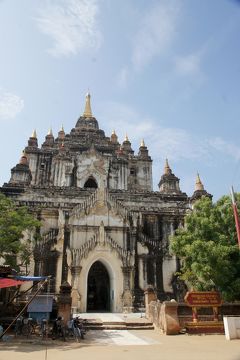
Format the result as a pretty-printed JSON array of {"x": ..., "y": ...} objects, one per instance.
[{"x": 25, "y": 306}]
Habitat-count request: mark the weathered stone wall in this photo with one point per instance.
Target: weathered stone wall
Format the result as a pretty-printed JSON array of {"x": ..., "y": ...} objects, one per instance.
[{"x": 164, "y": 316}]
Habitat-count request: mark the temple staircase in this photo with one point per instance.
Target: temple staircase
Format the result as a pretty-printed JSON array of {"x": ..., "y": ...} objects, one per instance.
[{"x": 112, "y": 321}]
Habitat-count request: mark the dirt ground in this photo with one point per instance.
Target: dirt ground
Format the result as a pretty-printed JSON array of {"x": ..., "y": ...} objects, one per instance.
[{"x": 101, "y": 346}]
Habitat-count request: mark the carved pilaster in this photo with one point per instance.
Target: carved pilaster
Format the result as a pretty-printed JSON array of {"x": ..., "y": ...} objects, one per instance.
[
  {"x": 65, "y": 301},
  {"x": 127, "y": 277},
  {"x": 75, "y": 270},
  {"x": 66, "y": 243},
  {"x": 76, "y": 297},
  {"x": 133, "y": 235}
]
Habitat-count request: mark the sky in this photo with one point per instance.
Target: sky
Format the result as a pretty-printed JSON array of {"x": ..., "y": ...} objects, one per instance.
[{"x": 167, "y": 71}]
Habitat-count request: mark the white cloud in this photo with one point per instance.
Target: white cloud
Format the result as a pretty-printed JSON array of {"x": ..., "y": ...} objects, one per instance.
[
  {"x": 163, "y": 142},
  {"x": 72, "y": 24},
  {"x": 225, "y": 147},
  {"x": 10, "y": 105},
  {"x": 188, "y": 65},
  {"x": 125, "y": 120},
  {"x": 174, "y": 143},
  {"x": 156, "y": 32}
]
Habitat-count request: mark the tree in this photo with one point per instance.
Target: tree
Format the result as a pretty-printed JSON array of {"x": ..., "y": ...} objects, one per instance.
[
  {"x": 16, "y": 225},
  {"x": 207, "y": 248}
]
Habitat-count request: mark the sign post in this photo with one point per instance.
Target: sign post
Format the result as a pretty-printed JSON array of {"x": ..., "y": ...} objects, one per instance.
[{"x": 204, "y": 299}]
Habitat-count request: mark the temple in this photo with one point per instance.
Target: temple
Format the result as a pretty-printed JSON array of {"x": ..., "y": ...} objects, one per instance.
[{"x": 104, "y": 230}]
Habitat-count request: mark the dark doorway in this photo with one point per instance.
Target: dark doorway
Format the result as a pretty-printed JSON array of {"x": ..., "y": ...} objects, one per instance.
[
  {"x": 98, "y": 294},
  {"x": 91, "y": 183}
]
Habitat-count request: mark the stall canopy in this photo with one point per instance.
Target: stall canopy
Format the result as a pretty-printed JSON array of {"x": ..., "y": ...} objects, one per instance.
[{"x": 18, "y": 280}]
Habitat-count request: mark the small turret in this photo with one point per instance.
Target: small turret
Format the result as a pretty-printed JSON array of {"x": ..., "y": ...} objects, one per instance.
[
  {"x": 32, "y": 141},
  {"x": 143, "y": 151},
  {"x": 199, "y": 190},
  {"x": 23, "y": 159},
  {"x": 21, "y": 174},
  {"x": 61, "y": 133},
  {"x": 126, "y": 146},
  {"x": 49, "y": 139},
  {"x": 114, "y": 138},
  {"x": 169, "y": 183},
  {"x": 87, "y": 120}
]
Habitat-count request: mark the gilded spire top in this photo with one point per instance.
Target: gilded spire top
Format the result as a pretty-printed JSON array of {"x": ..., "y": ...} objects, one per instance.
[
  {"x": 88, "y": 110},
  {"x": 126, "y": 138},
  {"x": 50, "y": 132},
  {"x": 62, "y": 129},
  {"x": 198, "y": 183},
  {"x": 167, "y": 169},
  {"x": 142, "y": 143},
  {"x": 34, "y": 134},
  {"x": 114, "y": 133}
]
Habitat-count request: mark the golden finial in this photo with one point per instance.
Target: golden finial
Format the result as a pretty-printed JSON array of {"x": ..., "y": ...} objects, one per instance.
[
  {"x": 126, "y": 138},
  {"x": 142, "y": 143},
  {"x": 62, "y": 129},
  {"x": 34, "y": 134},
  {"x": 50, "y": 132},
  {"x": 167, "y": 169},
  {"x": 198, "y": 183},
  {"x": 88, "y": 111},
  {"x": 114, "y": 137}
]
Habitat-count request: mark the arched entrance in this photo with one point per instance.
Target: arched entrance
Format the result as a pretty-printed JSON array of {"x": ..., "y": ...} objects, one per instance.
[
  {"x": 91, "y": 183},
  {"x": 98, "y": 288}
]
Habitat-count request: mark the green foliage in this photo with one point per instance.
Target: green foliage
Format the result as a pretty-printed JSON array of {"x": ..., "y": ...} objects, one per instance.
[
  {"x": 16, "y": 224},
  {"x": 208, "y": 249}
]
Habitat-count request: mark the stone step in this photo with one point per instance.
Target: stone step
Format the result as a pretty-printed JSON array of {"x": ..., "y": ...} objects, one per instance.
[
  {"x": 143, "y": 327},
  {"x": 113, "y": 322},
  {"x": 119, "y": 326}
]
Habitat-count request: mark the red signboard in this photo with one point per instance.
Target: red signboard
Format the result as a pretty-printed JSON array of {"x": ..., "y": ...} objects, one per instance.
[{"x": 203, "y": 298}]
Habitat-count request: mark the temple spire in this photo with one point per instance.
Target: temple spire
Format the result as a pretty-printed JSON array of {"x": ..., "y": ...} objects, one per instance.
[
  {"x": 50, "y": 132},
  {"x": 167, "y": 169},
  {"x": 34, "y": 134},
  {"x": 142, "y": 144},
  {"x": 88, "y": 111},
  {"x": 198, "y": 183}
]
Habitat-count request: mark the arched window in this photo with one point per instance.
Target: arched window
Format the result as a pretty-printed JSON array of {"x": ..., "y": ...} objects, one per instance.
[{"x": 91, "y": 183}]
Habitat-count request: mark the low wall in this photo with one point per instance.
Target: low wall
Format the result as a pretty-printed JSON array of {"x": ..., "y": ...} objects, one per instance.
[
  {"x": 164, "y": 316},
  {"x": 170, "y": 317}
]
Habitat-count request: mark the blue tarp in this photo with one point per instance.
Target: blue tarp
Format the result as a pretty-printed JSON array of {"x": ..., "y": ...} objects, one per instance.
[{"x": 29, "y": 278}]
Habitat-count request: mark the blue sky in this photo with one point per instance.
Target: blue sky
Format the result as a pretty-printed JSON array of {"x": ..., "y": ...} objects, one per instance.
[{"x": 167, "y": 71}]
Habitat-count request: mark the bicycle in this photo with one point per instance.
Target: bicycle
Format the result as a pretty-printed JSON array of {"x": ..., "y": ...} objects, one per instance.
[
  {"x": 24, "y": 326},
  {"x": 44, "y": 328},
  {"x": 58, "y": 330}
]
